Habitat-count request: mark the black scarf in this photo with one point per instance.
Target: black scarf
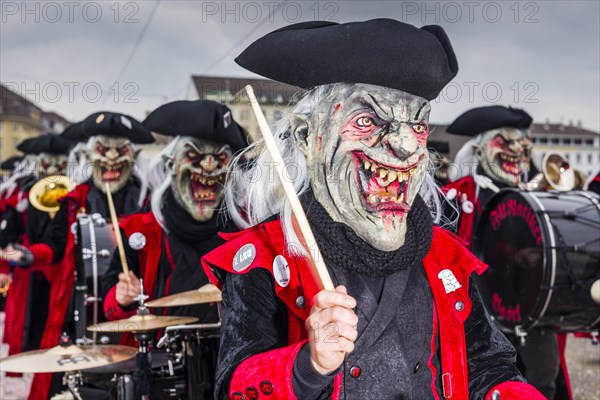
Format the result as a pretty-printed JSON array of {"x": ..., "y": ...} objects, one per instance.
[
  {"x": 340, "y": 244},
  {"x": 188, "y": 241},
  {"x": 125, "y": 199}
]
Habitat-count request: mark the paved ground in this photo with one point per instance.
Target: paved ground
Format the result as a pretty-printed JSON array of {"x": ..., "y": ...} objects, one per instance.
[{"x": 583, "y": 360}]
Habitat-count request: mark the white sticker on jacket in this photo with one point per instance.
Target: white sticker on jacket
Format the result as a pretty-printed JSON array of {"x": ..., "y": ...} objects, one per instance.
[
  {"x": 281, "y": 271},
  {"x": 137, "y": 240},
  {"x": 448, "y": 280},
  {"x": 244, "y": 257}
]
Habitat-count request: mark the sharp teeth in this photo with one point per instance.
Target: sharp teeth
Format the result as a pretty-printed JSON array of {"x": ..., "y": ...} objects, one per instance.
[
  {"x": 373, "y": 199},
  {"x": 401, "y": 197},
  {"x": 373, "y": 168},
  {"x": 383, "y": 173},
  {"x": 392, "y": 176},
  {"x": 412, "y": 171},
  {"x": 367, "y": 165}
]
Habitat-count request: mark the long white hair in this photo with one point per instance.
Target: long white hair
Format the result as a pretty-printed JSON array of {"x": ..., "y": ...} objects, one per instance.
[
  {"x": 253, "y": 193},
  {"x": 27, "y": 167}
]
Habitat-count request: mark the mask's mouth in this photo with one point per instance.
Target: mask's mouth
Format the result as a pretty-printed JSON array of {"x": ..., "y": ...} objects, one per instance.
[
  {"x": 510, "y": 164},
  {"x": 112, "y": 172},
  {"x": 383, "y": 187},
  {"x": 205, "y": 188}
]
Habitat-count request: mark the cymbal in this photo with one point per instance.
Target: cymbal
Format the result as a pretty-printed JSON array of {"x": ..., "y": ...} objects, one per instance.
[
  {"x": 206, "y": 294},
  {"x": 63, "y": 359},
  {"x": 141, "y": 323}
]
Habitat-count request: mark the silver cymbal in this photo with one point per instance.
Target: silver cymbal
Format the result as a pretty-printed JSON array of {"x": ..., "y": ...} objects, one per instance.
[{"x": 206, "y": 294}]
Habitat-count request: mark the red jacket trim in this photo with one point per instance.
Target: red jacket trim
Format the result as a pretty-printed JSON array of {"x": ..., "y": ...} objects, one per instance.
[{"x": 513, "y": 390}]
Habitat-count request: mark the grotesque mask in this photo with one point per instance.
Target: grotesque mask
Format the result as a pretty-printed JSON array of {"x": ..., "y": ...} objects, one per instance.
[
  {"x": 527, "y": 149},
  {"x": 198, "y": 169},
  {"x": 501, "y": 154},
  {"x": 112, "y": 160},
  {"x": 51, "y": 164},
  {"x": 366, "y": 152}
]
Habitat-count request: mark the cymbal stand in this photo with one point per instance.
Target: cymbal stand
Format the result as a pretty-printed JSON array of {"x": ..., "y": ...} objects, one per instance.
[
  {"x": 72, "y": 379},
  {"x": 142, "y": 376}
]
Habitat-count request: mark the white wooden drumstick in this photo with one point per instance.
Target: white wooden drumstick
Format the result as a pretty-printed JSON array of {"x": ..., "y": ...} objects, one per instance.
[
  {"x": 319, "y": 271},
  {"x": 115, "y": 224}
]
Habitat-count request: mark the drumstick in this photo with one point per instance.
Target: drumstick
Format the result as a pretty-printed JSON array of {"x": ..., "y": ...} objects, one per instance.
[
  {"x": 115, "y": 224},
  {"x": 318, "y": 267}
]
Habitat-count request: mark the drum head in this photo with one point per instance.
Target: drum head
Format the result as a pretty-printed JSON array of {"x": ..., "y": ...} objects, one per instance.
[{"x": 510, "y": 240}]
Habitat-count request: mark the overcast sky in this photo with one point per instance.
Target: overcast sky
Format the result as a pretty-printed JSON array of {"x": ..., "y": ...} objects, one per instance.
[{"x": 77, "y": 57}]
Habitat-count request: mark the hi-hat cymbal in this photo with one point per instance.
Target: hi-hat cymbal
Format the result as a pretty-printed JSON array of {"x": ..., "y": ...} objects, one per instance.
[
  {"x": 141, "y": 323},
  {"x": 206, "y": 294},
  {"x": 69, "y": 358}
]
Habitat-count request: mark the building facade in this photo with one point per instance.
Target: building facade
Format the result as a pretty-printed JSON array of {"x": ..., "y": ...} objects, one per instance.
[{"x": 20, "y": 119}]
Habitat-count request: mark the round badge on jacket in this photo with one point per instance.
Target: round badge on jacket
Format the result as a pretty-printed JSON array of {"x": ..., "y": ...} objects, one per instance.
[
  {"x": 281, "y": 271},
  {"x": 137, "y": 240}
]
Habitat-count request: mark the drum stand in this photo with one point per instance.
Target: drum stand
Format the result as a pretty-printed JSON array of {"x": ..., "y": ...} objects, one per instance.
[
  {"x": 72, "y": 380},
  {"x": 142, "y": 376}
]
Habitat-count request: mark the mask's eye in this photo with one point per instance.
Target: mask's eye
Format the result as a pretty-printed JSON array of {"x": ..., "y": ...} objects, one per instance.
[
  {"x": 100, "y": 148},
  {"x": 365, "y": 122},
  {"x": 44, "y": 164},
  {"x": 419, "y": 128},
  {"x": 222, "y": 157},
  {"x": 123, "y": 151},
  {"x": 192, "y": 154}
]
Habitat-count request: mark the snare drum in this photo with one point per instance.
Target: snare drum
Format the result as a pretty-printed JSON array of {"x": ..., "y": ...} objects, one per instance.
[
  {"x": 96, "y": 244},
  {"x": 542, "y": 249}
]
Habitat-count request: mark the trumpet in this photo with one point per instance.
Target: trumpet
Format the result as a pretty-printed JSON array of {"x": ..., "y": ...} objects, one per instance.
[
  {"x": 556, "y": 174},
  {"x": 45, "y": 193}
]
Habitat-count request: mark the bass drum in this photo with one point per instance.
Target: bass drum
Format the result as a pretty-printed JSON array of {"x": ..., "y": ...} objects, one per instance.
[
  {"x": 542, "y": 249},
  {"x": 96, "y": 244}
]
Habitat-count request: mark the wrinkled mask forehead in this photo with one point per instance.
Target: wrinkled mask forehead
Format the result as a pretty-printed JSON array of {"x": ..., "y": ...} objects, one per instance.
[
  {"x": 112, "y": 142},
  {"x": 188, "y": 149},
  {"x": 507, "y": 134}
]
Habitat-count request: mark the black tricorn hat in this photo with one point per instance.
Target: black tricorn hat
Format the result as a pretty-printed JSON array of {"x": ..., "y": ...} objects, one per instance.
[
  {"x": 113, "y": 124},
  {"x": 74, "y": 132},
  {"x": 11, "y": 163},
  {"x": 382, "y": 52},
  {"x": 46, "y": 143},
  {"x": 439, "y": 146},
  {"x": 203, "y": 119},
  {"x": 483, "y": 119}
]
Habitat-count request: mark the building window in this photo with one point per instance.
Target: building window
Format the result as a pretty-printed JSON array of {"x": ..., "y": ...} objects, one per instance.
[
  {"x": 578, "y": 158},
  {"x": 567, "y": 156},
  {"x": 577, "y": 141},
  {"x": 543, "y": 140},
  {"x": 566, "y": 141},
  {"x": 589, "y": 142},
  {"x": 554, "y": 141}
]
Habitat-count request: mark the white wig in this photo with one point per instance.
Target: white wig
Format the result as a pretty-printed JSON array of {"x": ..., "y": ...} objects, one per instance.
[
  {"x": 465, "y": 163},
  {"x": 27, "y": 167},
  {"x": 253, "y": 192}
]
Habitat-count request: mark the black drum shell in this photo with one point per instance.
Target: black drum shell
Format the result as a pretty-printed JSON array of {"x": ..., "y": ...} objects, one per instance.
[{"x": 540, "y": 273}]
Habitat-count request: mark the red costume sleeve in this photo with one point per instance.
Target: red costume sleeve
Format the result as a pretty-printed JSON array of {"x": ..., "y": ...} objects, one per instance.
[
  {"x": 268, "y": 373},
  {"x": 514, "y": 390},
  {"x": 42, "y": 254},
  {"x": 112, "y": 308}
]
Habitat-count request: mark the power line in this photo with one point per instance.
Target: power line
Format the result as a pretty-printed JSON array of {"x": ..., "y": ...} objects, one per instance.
[{"x": 136, "y": 44}]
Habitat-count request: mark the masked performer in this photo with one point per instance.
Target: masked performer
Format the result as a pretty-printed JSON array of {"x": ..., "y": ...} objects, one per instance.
[
  {"x": 498, "y": 155},
  {"x": 110, "y": 159},
  {"x": 23, "y": 224},
  {"x": 164, "y": 246},
  {"x": 404, "y": 322}
]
